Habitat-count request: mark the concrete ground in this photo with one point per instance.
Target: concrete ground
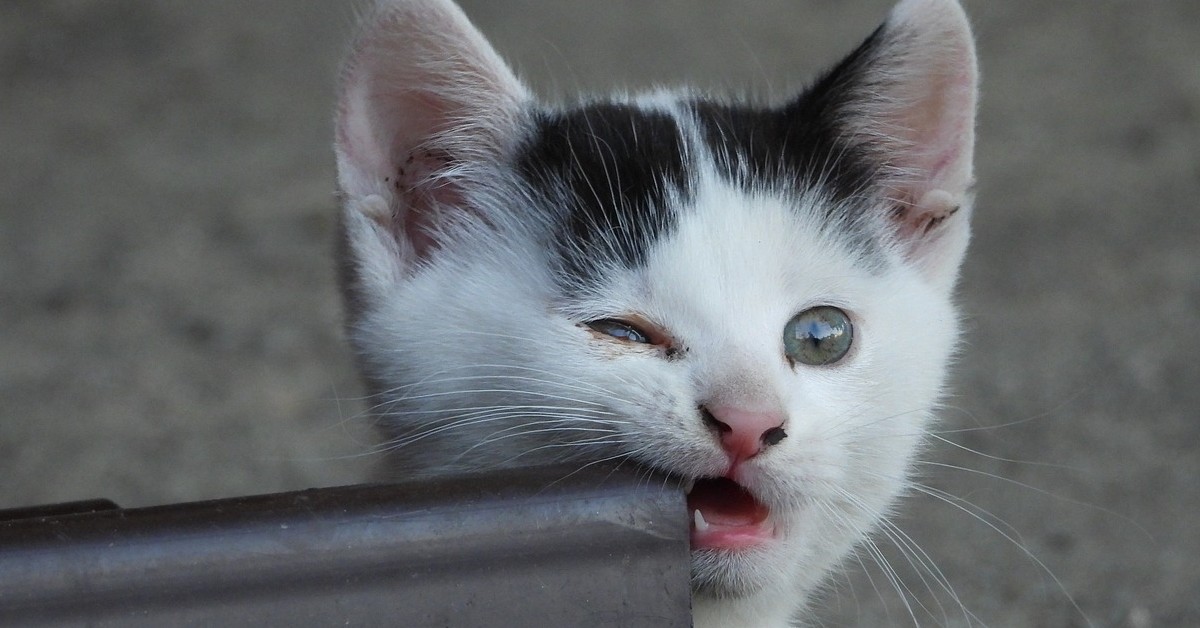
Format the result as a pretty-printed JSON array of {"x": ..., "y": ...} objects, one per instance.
[{"x": 169, "y": 324}]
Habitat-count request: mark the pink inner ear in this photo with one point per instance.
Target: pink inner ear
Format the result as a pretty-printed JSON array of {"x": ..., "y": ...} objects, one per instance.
[
  {"x": 916, "y": 220},
  {"x": 426, "y": 107},
  {"x": 926, "y": 102},
  {"x": 424, "y": 192},
  {"x": 953, "y": 137},
  {"x": 935, "y": 132},
  {"x": 933, "y": 155},
  {"x": 918, "y": 112}
]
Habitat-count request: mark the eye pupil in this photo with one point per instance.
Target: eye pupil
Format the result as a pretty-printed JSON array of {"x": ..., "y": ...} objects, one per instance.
[{"x": 818, "y": 336}]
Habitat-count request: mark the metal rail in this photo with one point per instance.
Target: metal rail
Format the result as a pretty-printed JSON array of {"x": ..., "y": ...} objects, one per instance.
[{"x": 547, "y": 546}]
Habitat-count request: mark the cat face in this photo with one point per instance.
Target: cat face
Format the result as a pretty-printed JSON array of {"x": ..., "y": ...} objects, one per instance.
[{"x": 756, "y": 300}]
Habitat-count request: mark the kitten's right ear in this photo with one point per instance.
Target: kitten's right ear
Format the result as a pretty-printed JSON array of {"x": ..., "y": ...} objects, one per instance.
[
  {"x": 907, "y": 98},
  {"x": 425, "y": 106}
]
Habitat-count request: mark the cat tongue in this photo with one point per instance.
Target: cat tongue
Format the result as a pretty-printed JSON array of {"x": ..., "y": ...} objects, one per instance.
[{"x": 723, "y": 502}]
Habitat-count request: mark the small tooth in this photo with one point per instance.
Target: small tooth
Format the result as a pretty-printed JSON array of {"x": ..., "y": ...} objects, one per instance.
[{"x": 698, "y": 518}]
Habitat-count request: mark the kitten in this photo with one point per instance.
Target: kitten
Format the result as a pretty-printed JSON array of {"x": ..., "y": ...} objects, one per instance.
[{"x": 753, "y": 298}]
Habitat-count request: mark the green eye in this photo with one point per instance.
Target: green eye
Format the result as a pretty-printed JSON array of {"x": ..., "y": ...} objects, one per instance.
[
  {"x": 818, "y": 336},
  {"x": 619, "y": 330}
]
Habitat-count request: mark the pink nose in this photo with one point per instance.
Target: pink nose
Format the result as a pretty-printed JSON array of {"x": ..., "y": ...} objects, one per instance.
[{"x": 744, "y": 433}]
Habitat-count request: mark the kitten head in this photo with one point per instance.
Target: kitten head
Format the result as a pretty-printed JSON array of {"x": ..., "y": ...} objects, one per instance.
[{"x": 753, "y": 298}]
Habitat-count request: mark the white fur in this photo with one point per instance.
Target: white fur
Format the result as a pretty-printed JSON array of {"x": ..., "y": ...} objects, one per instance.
[
  {"x": 480, "y": 364},
  {"x": 838, "y": 441},
  {"x": 852, "y": 428}
]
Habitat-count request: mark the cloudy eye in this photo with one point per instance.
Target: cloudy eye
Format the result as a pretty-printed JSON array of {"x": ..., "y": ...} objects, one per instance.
[
  {"x": 818, "y": 336},
  {"x": 619, "y": 330}
]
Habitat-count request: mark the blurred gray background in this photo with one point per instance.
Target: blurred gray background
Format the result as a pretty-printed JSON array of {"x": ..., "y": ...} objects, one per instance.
[{"x": 169, "y": 328}]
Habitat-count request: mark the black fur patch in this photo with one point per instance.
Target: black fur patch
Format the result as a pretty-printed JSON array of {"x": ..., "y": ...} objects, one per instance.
[
  {"x": 800, "y": 145},
  {"x": 609, "y": 171}
]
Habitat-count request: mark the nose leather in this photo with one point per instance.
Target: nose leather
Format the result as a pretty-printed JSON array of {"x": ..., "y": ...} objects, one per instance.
[{"x": 745, "y": 433}]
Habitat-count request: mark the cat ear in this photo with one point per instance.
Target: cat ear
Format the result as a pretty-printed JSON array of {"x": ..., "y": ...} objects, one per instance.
[
  {"x": 907, "y": 97},
  {"x": 425, "y": 107}
]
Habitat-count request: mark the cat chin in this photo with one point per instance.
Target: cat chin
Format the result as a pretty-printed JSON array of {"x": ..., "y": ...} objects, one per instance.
[
  {"x": 755, "y": 588},
  {"x": 761, "y": 566},
  {"x": 733, "y": 574},
  {"x": 770, "y": 585}
]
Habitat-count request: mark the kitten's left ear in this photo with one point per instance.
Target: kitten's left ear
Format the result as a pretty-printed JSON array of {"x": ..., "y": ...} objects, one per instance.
[
  {"x": 907, "y": 97},
  {"x": 426, "y": 112}
]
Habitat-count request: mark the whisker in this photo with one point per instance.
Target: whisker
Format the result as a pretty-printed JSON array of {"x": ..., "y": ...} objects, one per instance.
[
  {"x": 1069, "y": 500},
  {"x": 460, "y": 423},
  {"x": 955, "y": 502},
  {"x": 841, "y": 520},
  {"x": 917, "y": 559},
  {"x": 1031, "y": 463}
]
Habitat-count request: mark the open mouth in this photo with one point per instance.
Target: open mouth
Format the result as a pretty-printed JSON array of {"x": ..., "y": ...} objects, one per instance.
[{"x": 726, "y": 516}]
